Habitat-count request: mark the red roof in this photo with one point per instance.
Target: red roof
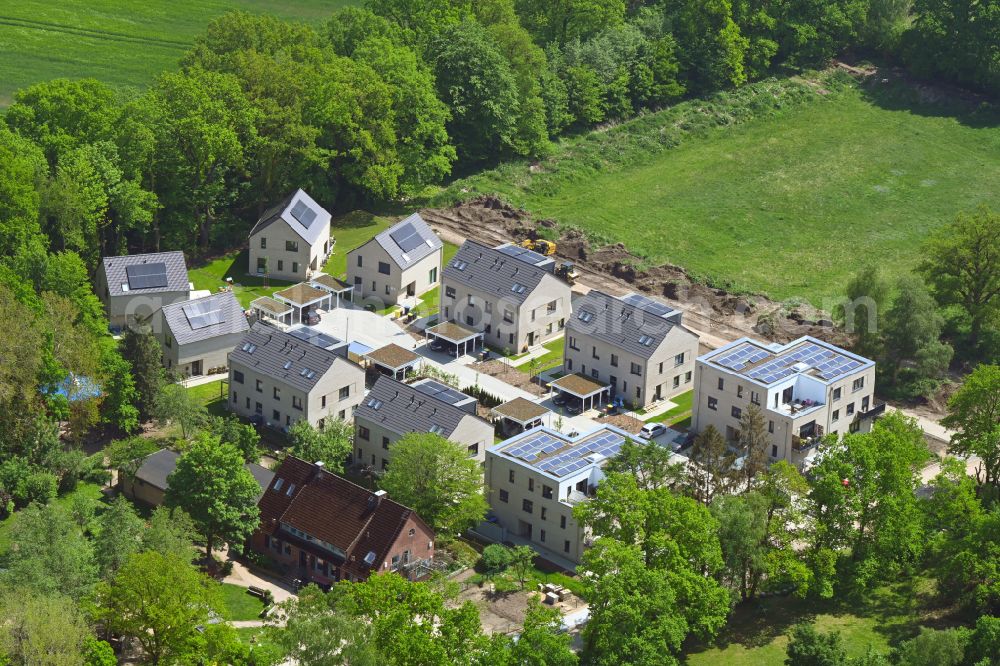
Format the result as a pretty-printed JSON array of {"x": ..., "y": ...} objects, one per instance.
[{"x": 330, "y": 508}]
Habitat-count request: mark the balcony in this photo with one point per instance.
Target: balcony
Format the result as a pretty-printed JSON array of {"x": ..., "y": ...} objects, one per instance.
[
  {"x": 797, "y": 407},
  {"x": 802, "y": 444},
  {"x": 873, "y": 413}
]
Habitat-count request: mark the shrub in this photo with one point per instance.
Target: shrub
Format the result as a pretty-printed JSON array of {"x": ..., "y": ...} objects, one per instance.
[
  {"x": 38, "y": 487},
  {"x": 495, "y": 560}
]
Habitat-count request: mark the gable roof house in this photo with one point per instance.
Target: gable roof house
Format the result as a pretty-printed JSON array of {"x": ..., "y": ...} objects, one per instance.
[
  {"x": 134, "y": 286},
  {"x": 197, "y": 335},
  {"x": 393, "y": 409},
  {"x": 321, "y": 527},
  {"x": 291, "y": 240},
  {"x": 150, "y": 483},
  {"x": 635, "y": 345},
  {"x": 510, "y": 294},
  {"x": 279, "y": 377},
  {"x": 401, "y": 262}
]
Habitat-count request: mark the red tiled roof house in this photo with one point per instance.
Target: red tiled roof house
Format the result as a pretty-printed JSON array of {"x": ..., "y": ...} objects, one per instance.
[{"x": 323, "y": 528}]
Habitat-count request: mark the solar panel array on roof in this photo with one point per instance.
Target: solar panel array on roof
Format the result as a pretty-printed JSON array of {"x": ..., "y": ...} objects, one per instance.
[
  {"x": 647, "y": 304},
  {"x": 522, "y": 253},
  {"x": 441, "y": 391},
  {"x": 407, "y": 238},
  {"x": 201, "y": 314},
  {"x": 303, "y": 213},
  {"x": 314, "y": 337},
  {"x": 146, "y": 276},
  {"x": 741, "y": 356},
  {"x": 827, "y": 362},
  {"x": 538, "y": 445}
]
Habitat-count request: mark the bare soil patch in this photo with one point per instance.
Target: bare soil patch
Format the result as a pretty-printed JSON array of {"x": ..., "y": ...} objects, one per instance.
[{"x": 510, "y": 375}]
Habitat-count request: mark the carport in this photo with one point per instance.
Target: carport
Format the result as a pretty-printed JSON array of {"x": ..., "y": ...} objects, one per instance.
[
  {"x": 518, "y": 415},
  {"x": 589, "y": 392},
  {"x": 393, "y": 360},
  {"x": 464, "y": 339},
  {"x": 303, "y": 296},
  {"x": 341, "y": 290},
  {"x": 266, "y": 307}
]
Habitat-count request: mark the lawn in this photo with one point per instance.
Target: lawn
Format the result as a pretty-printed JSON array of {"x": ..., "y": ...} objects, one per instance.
[
  {"x": 247, "y": 287},
  {"x": 550, "y": 359},
  {"x": 125, "y": 43},
  {"x": 757, "y": 633},
  {"x": 680, "y": 410},
  {"x": 212, "y": 396},
  {"x": 240, "y": 605},
  {"x": 350, "y": 231},
  {"x": 84, "y": 489},
  {"x": 783, "y": 188}
]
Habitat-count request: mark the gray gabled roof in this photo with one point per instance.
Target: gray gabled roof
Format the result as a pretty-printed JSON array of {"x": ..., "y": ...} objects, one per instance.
[
  {"x": 402, "y": 409},
  {"x": 267, "y": 350},
  {"x": 490, "y": 270},
  {"x": 417, "y": 238},
  {"x": 283, "y": 211},
  {"x": 173, "y": 264},
  {"x": 159, "y": 465},
  {"x": 183, "y": 318},
  {"x": 631, "y": 327}
]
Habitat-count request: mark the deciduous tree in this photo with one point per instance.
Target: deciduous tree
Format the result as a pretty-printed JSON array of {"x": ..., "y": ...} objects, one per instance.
[
  {"x": 330, "y": 444},
  {"x": 974, "y": 414},
  {"x": 119, "y": 536},
  {"x": 175, "y": 405},
  {"x": 41, "y": 628},
  {"x": 711, "y": 471}
]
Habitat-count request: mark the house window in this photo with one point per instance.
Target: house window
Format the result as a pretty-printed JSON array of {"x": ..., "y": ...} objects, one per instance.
[
  {"x": 569, "y": 364},
  {"x": 258, "y": 408},
  {"x": 566, "y": 546},
  {"x": 387, "y": 290},
  {"x": 260, "y": 386},
  {"x": 385, "y": 443},
  {"x": 638, "y": 392},
  {"x": 469, "y": 320},
  {"x": 508, "y": 316},
  {"x": 755, "y": 397},
  {"x": 357, "y": 280},
  {"x": 850, "y": 408},
  {"x": 543, "y": 512},
  {"x": 449, "y": 292},
  {"x": 432, "y": 275},
  {"x": 295, "y": 267},
  {"x": 510, "y": 476},
  {"x": 774, "y": 450},
  {"x": 237, "y": 376},
  {"x": 722, "y": 384},
  {"x": 344, "y": 393},
  {"x": 297, "y": 402},
  {"x": 687, "y": 377},
  {"x": 263, "y": 245},
  {"x": 364, "y": 433},
  {"x": 677, "y": 381},
  {"x": 248, "y": 403},
  {"x": 858, "y": 384},
  {"x": 234, "y": 397},
  {"x": 510, "y": 338},
  {"x": 504, "y": 496},
  {"x": 261, "y": 264},
  {"x": 562, "y": 522},
  {"x": 679, "y": 359},
  {"x": 527, "y": 506},
  {"x": 473, "y": 450},
  {"x": 276, "y": 393},
  {"x": 770, "y": 426},
  {"x": 531, "y": 485},
  {"x": 322, "y": 401},
  {"x": 385, "y": 464},
  {"x": 551, "y": 308},
  {"x": 546, "y": 491},
  {"x": 488, "y": 307},
  {"x": 281, "y": 265},
  {"x": 291, "y": 246},
  {"x": 593, "y": 353},
  {"x": 836, "y": 415},
  {"x": 737, "y": 412},
  {"x": 636, "y": 369},
  {"x": 594, "y": 373},
  {"x": 383, "y": 268},
  {"x": 713, "y": 403},
  {"x": 541, "y": 535},
  {"x": 739, "y": 391},
  {"x": 836, "y": 393},
  {"x": 614, "y": 360},
  {"x": 276, "y": 414}
]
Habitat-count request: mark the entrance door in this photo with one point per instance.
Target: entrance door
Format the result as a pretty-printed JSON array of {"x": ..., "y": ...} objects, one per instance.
[
  {"x": 411, "y": 289},
  {"x": 524, "y": 529},
  {"x": 196, "y": 367},
  {"x": 531, "y": 339},
  {"x": 302, "y": 558}
]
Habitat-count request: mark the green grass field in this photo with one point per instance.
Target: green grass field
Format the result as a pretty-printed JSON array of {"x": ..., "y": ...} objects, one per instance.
[
  {"x": 680, "y": 410},
  {"x": 247, "y": 287},
  {"x": 757, "y": 634},
  {"x": 212, "y": 396},
  {"x": 125, "y": 43},
  {"x": 239, "y": 605},
  {"x": 775, "y": 188},
  {"x": 350, "y": 231}
]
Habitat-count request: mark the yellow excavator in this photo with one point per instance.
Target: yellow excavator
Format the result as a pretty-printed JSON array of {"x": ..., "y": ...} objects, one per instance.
[{"x": 539, "y": 245}]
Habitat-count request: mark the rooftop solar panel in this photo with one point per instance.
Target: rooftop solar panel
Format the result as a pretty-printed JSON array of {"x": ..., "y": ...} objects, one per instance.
[
  {"x": 407, "y": 237},
  {"x": 313, "y": 337},
  {"x": 146, "y": 276},
  {"x": 441, "y": 392},
  {"x": 522, "y": 254},
  {"x": 645, "y": 304}
]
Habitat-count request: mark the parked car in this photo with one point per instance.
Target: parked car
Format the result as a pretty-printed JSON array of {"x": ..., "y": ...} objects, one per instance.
[
  {"x": 574, "y": 407},
  {"x": 438, "y": 345},
  {"x": 560, "y": 399},
  {"x": 652, "y": 430}
]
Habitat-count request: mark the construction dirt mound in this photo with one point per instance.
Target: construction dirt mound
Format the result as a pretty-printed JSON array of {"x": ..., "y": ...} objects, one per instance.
[{"x": 613, "y": 268}]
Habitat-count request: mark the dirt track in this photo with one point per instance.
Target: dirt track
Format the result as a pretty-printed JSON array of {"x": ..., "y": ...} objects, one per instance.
[{"x": 718, "y": 316}]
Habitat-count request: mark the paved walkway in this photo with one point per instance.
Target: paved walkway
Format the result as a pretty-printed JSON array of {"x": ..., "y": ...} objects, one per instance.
[
  {"x": 202, "y": 379},
  {"x": 244, "y": 577}
]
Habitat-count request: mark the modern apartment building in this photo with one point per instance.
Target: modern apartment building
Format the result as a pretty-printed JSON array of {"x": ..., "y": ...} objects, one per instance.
[
  {"x": 197, "y": 335},
  {"x": 806, "y": 388},
  {"x": 393, "y": 409},
  {"x": 280, "y": 377},
  {"x": 511, "y": 294},
  {"x": 401, "y": 262},
  {"x": 291, "y": 240},
  {"x": 133, "y": 287},
  {"x": 536, "y": 478},
  {"x": 636, "y": 345},
  {"x": 322, "y": 528}
]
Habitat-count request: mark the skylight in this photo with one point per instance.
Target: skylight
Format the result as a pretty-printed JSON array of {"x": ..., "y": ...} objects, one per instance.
[
  {"x": 645, "y": 340},
  {"x": 518, "y": 288},
  {"x": 436, "y": 429},
  {"x": 585, "y": 316},
  {"x": 249, "y": 347},
  {"x": 287, "y": 365},
  {"x": 461, "y": 265},
  {"x": 374, "y": 403}
]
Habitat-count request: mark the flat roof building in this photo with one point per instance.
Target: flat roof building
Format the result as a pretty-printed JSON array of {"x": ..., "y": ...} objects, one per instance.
[
  {"x": 536, "y": 478},
  {"x": 807, "y": 389}
]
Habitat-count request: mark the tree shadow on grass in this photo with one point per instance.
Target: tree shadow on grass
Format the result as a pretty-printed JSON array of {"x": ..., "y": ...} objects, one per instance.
[{"x": 893, "y": 89}]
